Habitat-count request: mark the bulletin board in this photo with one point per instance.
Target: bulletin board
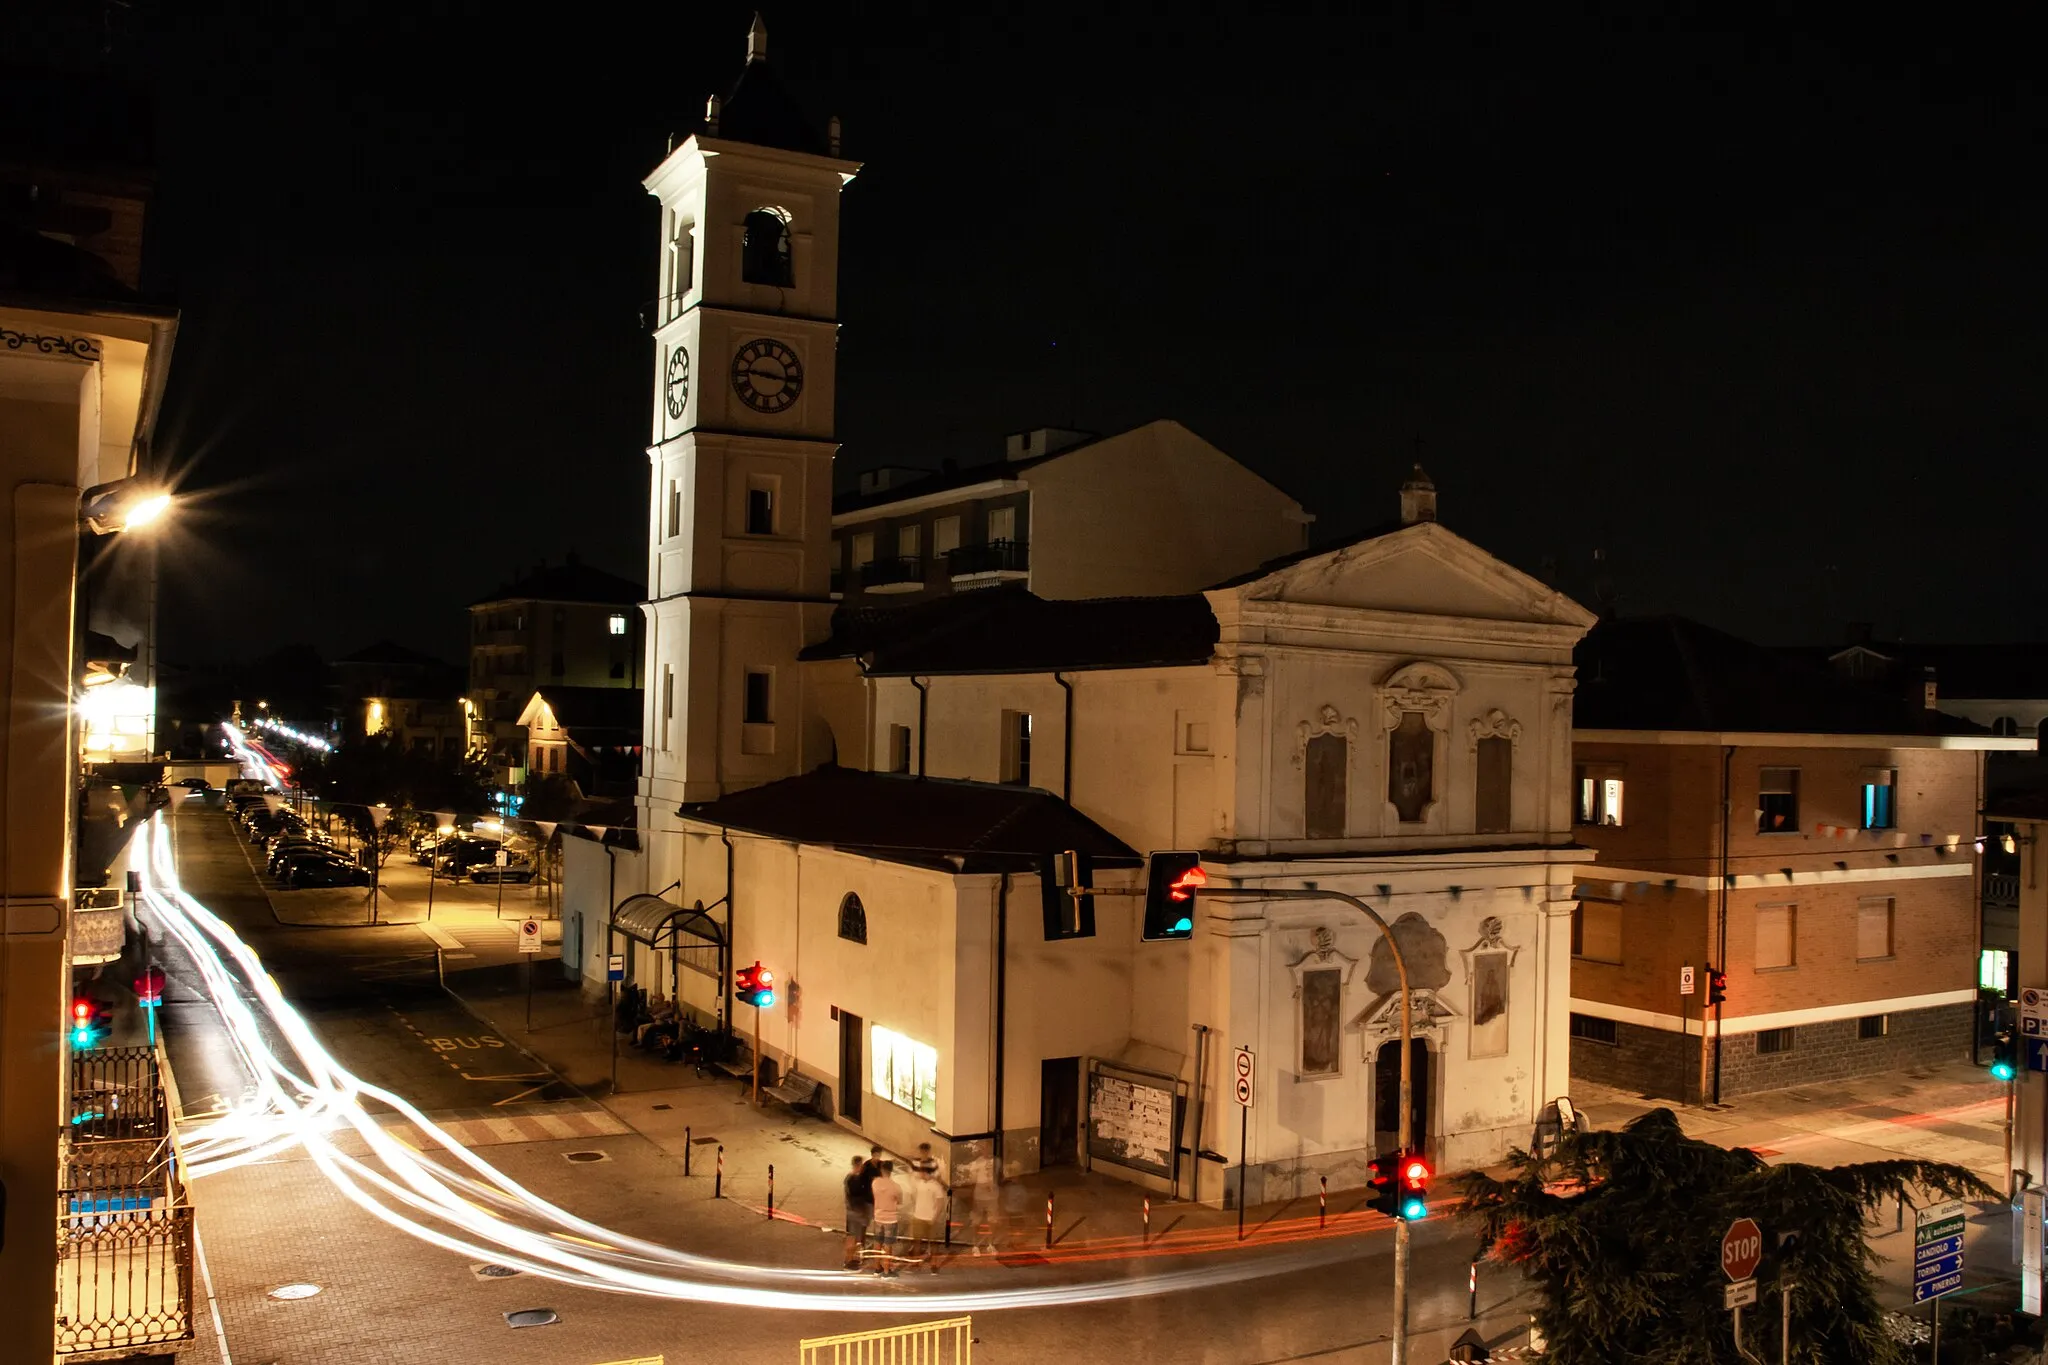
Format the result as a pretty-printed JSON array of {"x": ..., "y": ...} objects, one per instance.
[{"x": 1133, "y": 1118}]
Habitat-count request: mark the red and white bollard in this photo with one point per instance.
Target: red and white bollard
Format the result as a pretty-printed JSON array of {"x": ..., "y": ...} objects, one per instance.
[
  {"x": 1048, "y": 1222},
  {"x": 1323, "y": 1202},
  {"x": 1147, "y": 1240}
]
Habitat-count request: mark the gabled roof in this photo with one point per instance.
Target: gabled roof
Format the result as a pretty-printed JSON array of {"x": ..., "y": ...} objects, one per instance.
[
  {"x": 1967, "y": 672},
  {"x": 591, "y": 714},
  {"x": 927, "y": 822},
  {"x": 572, "y": 582},
  {"x": 1010, "y": 630},
  {"x": 1668, "y": 673}
]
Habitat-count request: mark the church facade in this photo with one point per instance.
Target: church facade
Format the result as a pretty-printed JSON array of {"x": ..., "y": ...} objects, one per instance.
[{"x": 869, "y": 802}]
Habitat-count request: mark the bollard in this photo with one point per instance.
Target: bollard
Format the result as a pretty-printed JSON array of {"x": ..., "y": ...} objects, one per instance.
[
  {"x": 949, "y": 1218},
  {"x": 1048, "y": 1222},
  {"x": 1323, "y": 1202},
  {"x": 1146, "y": 1240},
  {"x": 686, "y": 1151},
  {"x": 771, "y": 1191},
  {"x": 718, "y": 1177},
  {"x": 1472, "y": 1288},
  {"x": 1902, "y": 1215}
]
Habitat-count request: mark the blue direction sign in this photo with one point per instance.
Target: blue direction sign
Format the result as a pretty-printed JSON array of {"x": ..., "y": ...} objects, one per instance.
[
  {"x": 1938, "y": 1247},
  {"x": 2037, "y": 1053}
]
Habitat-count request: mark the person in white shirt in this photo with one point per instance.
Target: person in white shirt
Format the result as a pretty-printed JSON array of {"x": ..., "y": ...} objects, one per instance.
[
  {"x": 927, "y": 1208},
  {"x": 888, "y": 1211}
]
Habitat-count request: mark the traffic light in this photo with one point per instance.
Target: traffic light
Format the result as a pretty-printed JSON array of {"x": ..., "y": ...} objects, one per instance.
[
  {"x": 1170, "y": 894},
  {"x": 1415, "y": 1173},
  {"x": 2005, "y": 1058},
  {"x": 1717, "y": 985},
  {"x": 1066, "y": 914},
  {"x": 91, "y": 1022},
  {"x": 755, "y": 986},
  {"x": 1386, "y": 1186}
]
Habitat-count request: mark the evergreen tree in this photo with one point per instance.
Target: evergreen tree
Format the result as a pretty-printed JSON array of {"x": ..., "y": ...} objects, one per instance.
[{"x": 1621, "y": 1233}]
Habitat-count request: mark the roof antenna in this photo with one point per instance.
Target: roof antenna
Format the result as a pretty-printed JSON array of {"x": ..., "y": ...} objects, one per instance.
[
  {"x": 757, "y": 40},
  {"x": 711, "y": 116}
]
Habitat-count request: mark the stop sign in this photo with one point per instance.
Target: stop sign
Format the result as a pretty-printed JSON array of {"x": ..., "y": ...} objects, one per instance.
[{"x": 1742, "y": 1249}]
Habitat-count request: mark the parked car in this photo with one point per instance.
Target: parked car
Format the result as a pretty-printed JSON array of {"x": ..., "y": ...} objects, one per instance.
[
  {"x": 514, "y": 872},
  {"x": 327, "y": 872},
  {"x": 288, "y": 866},
  {"x": 456, "y": 857},
  {"x": 195, "y": 784},
  {"x": 286, "y": 849}
]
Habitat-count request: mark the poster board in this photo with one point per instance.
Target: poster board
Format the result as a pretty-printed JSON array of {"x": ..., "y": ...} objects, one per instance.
[{"x": 1133, "y": 1118}]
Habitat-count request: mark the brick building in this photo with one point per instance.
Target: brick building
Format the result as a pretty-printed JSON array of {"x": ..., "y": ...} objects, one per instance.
[{"x": 1815, "y": 838}]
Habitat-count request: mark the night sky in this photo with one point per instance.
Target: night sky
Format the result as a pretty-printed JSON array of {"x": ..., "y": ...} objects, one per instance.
[{"x": 1756, "y": 310}]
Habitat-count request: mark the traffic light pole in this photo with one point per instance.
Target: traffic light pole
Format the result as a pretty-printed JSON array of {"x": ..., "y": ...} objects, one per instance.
[
  {"x": 1401, "y": 1253},
  {"x": 757, "y": 1056}
]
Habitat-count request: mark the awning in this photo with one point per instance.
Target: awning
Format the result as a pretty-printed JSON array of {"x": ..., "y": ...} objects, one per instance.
[{"x": 661, "y": 923}]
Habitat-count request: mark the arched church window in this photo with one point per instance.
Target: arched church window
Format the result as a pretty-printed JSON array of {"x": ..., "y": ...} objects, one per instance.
[
  {"x": 764, "y": 251},
  {"x": 853, "y": 919}
]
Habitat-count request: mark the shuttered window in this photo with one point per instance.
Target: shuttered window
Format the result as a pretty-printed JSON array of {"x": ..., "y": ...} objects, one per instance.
[
  {"x": 1776, "y": 933},
  {"x": 1873, "y": 928}
]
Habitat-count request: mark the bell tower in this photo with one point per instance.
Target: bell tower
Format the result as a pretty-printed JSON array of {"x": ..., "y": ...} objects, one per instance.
[{"x": 740, "y": 513}]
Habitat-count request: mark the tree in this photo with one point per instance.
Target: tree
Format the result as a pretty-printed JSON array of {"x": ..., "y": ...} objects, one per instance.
[{"x": 1621, "y": 1233}]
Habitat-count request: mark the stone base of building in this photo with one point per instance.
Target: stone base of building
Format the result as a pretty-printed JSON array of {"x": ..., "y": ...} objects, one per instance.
[{"x": 1667, "y": 1065}]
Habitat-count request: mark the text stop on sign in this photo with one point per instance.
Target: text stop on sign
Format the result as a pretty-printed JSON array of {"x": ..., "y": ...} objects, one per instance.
[{"x": 1742, "y": 1249}]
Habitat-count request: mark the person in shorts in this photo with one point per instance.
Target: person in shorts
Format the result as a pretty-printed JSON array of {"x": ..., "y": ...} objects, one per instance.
[
  {"x": 860, "y": 1211},
  {"x": 924, "y": 1228},
  {"x": 888, "y": 1213}
]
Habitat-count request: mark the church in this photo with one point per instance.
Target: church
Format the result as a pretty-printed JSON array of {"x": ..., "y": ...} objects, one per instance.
[{"x": 869, "y": 798}]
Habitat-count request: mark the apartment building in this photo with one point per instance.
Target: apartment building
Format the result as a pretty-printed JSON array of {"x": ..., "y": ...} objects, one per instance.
[
  {"x": 1813, "y": 838},
  {"x": 1146, "y": 512}
]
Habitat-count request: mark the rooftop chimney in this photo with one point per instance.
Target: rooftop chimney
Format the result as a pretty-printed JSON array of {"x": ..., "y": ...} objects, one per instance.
[
  {"x": 1418, "y": 498},
  {"x": 757, "y": 40}
]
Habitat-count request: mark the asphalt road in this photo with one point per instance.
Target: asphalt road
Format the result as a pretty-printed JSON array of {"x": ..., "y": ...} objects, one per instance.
[{"x": 372, "y": 995}]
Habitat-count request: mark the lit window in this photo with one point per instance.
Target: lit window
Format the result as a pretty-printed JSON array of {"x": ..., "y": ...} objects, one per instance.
[
  {"x": 618, "y": 623},
  {"x": 1879, "y": 809},
  {"x": 1991, "y": 969},
  {"x": 1600, "y": 789},
  {"x": 906, "y": 1072}
]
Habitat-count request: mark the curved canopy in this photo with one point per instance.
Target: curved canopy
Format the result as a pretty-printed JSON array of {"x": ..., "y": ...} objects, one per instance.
[{"x": 660, "y": 924}]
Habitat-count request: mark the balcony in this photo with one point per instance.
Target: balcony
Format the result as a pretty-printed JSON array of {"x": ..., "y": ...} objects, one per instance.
[
  {"x": 993, "y": 561},
  {"x": 124, "y": 1224},
  {"x": 905, "y": 573}
]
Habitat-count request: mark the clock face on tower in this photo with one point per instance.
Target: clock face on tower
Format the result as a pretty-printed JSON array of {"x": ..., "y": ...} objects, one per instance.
[
  {"x": 678, "y": 381},
  {"x": 767, "y": 375}
]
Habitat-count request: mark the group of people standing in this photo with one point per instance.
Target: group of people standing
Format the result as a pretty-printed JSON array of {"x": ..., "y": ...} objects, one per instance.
[{"x": 894, "y": 1226}]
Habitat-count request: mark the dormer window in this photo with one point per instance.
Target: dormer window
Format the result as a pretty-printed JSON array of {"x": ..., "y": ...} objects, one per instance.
[{"x": 764, "y": 250}]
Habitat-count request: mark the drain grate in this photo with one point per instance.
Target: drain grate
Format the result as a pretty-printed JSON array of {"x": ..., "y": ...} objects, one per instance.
[
  {"x": 699, "y": 1142},
  {"x": 532, "y": 1317},
  {"x": 585, "y": 1156},
  {"x": 485, "y": 1271}
]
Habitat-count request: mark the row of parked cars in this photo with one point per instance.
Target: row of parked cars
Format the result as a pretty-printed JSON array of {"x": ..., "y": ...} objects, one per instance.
[
  {"x": 293, "y": 851},
  {"x": 472, "y": 856}
]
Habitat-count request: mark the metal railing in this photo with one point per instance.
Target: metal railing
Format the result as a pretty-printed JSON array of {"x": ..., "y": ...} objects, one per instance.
[
  {"x": 949, "y": 1341},
  {"x": 2002, "y": 888},
  {"x": 124, "y": 1226},
  {"x": 995, "y": 556}
]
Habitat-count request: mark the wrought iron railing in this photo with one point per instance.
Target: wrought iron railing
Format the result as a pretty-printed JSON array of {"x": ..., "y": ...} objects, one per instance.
[
  {"x": 994, "y": 556},
  {"x": 2002, "y": 888},
  {"x": 124, "y": 1225}
]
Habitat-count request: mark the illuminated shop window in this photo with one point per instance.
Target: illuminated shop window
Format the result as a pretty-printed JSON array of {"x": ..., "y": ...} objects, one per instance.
[{"x": 906, "y": 1072}]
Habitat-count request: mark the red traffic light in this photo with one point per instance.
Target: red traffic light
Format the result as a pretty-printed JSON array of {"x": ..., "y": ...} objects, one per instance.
[
  {"x": 763, "y": 977},
  {"x": 81, "y": 1011},
  {"x": 1415, "y": 1172},
  {"x": 1183, "y": 886}
]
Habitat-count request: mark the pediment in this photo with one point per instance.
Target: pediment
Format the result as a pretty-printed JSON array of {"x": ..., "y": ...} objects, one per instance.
[{"x": 1421, "y": 569}]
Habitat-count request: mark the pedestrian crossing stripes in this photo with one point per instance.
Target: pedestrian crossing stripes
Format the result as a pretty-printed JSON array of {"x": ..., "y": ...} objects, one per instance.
[{"x": 529, "y": 1127}]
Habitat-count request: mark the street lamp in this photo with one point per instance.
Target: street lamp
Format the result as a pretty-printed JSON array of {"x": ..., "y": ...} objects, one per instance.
[{"x": 123, "y": 505}]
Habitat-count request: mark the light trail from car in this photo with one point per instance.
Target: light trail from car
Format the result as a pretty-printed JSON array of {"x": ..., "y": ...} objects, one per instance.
[{"x": 454, "y": 1199}]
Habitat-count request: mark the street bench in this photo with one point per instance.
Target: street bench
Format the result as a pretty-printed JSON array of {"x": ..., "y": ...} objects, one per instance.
[{"x": 797, "y": 1091}]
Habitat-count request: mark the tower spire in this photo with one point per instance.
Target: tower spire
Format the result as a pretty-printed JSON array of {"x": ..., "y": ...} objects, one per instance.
[{"x": 757, "y": 40}]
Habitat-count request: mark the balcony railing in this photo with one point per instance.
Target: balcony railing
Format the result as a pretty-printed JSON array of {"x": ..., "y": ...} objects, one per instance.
[
  {"x": 2002, "y": 888},
  {"x": 995, "y": 556},
  {"x": 124, "y": 1225},
  {"x": 904, "y": 570}
]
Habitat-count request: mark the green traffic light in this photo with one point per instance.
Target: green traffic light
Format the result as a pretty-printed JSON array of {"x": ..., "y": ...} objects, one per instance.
[
  {"x": 2003, "y": 1071},
  {"x": 1414, "y": 1209}
]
